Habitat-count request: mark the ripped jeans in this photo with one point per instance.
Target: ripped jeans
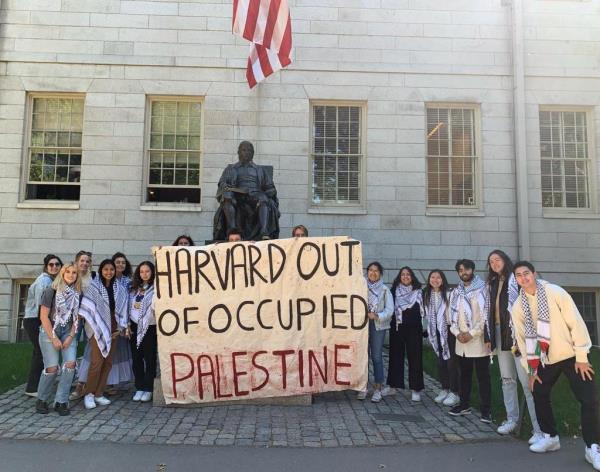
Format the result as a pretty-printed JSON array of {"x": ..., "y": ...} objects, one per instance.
[
  {"x": 51, "y": 359},
  {"x": 511, "y": 370}
]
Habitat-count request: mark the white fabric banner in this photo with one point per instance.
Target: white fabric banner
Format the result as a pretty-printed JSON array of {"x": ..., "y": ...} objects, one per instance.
[{"x": 261, "y": 319}]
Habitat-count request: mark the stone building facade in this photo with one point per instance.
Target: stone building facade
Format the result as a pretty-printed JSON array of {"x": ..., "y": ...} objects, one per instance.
[{"x": 428, "y": 130}]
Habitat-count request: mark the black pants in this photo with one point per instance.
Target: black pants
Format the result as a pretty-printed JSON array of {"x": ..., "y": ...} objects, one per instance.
[
  {"x": 449, "y": 369},
  {"x": 584, "y": 391},
  {"x": 32, "y": 328},
  {"x": 406, "y": 341},
  {"x": 144, "y": 358},
  {"x": 482, "y": 369}
]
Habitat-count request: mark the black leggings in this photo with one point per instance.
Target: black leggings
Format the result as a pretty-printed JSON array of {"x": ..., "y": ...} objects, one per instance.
[{"x": 144, "y": 358}]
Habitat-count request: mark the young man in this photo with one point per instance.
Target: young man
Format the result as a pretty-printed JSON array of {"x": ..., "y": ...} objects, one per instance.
[
  {"x": 234, "y": 235},
  {"x": 299, "y": 231},
  {"x": 467, "y": 303},
  {"x": 553, "y": 340}
]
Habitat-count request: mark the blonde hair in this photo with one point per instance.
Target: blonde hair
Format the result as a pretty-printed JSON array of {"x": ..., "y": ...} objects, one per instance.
[{"x": 59, "y": 281}]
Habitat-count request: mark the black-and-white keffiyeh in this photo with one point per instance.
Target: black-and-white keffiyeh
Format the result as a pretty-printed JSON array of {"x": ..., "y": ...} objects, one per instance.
[
  {"x": 375, "y": 293},
  {"x": 95, "y": 309},
  {"x": 435, "y": 311},
  {"x": 66, "y": 307},
  {"x": 461, "y": 296},
  {"x": 513, "y": 294},
  {"x": 537, "y": 337},
  {"x": 405, "y": 298},
  {"x": 146, "y": 315}
]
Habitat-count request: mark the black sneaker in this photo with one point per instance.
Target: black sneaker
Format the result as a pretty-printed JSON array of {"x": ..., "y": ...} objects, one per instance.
[
  {"x": 62, "y": 409},
  {"x": 41, "y": 407},
  {"x": 459, "y": 410},
  {"x": 486, "y": 418}
]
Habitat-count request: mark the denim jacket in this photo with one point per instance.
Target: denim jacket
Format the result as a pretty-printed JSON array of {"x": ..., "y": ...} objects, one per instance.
[
  {"x": 34, "y": 295},
  {"x": 385, "y": 310}
]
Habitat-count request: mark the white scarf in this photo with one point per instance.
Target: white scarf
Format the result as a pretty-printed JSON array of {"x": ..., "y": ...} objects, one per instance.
[
  {"x": 462, "y": 296},
  {"x": 406, "y": 297},
  {"x": 66, "y": 306},
  {"x": 435, "y": 311},
  {"x": 537, "y": 338},
  {"x": 375, "y": 294},
  {"x": 146, "y": 313},
  {"x": 95, "y": 309},
  {"x": 513, "y": 293}
]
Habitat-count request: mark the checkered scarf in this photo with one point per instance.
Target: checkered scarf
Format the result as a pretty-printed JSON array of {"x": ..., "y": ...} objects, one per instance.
[
  {"x": 405, "y": 298},
  {"x": 435, "y": 311},
  {"x": 66, "y": 306},
  {"x": 537, "y": 338},
  {"x": 95, "y": 309},
  {"x": 375, "y": 294},
  {"x": 461, "y": 296},
  {"x": 146, "y": 315}
]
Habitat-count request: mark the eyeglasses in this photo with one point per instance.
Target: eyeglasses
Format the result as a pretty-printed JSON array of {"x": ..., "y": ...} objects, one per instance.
[{"x": 54, "y": 264}]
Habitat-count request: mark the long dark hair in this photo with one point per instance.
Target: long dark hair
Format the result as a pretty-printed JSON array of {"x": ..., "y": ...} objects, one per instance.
[
  {"x": 508, "y": 266},
  {"x": 413, "y": 280},
  {"x": 183, "y": 236},
  {"x": 137, "y": 281},
  {"x": 128, "y": 270},
  {"x": 104, "y": 263},
  {"x": 443, "y": 289}
]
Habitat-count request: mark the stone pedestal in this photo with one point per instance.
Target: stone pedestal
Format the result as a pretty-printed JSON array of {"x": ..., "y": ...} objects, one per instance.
[{"x": 294, "y": 400}]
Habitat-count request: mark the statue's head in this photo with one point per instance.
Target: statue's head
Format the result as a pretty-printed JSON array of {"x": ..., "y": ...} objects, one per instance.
[{"x": 245, "y": 152}]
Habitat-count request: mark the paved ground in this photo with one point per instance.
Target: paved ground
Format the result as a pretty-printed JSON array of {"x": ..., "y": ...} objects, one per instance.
[
  {"x": 334, "y": 419},
  {"x": 495, "y": 456}
]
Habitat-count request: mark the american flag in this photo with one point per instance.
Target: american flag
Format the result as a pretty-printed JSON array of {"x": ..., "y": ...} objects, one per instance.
[{"x": 267, "y": 24}]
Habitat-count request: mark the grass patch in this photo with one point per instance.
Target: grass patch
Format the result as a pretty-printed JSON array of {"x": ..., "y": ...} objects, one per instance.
[
  {"x": 566, "y": 408},
  {"x": 14, "y": 364}
]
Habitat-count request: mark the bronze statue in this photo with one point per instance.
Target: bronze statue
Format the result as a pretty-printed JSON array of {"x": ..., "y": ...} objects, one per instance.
[{"x": 247, "y": 198}]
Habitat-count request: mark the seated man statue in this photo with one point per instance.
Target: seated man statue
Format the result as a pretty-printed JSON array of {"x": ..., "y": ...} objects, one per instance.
[{"x": 247, "y": 198}]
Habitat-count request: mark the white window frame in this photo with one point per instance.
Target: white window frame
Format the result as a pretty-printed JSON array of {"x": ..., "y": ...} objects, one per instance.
[
  {"x": 330, "y": 207},
  {"x": 597, "y": 295},
  {"x": 459, "y": 210},
  {"x": 555, "y": 212},
  {"x": 169, "y": 206},
  {"x": 14, "y": 313},
  {"x": 25, "y": 159}
]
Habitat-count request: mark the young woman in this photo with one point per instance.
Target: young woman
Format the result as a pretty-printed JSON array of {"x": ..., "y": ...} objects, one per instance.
[
  {"x": 435, "y": 301},
  {"x": 31, "y": 321},
  {"x": 142, "y": 326},
  {"x": 121, "y": 371},
  {"x": 381, "y": 308},
  {"x": 183, "y": 240},
  {"x": 406, "y": 335},
  {"x": 104, "y": 308},
  {"x": 58, "y": 315},
  {"x": 83, "y": 260},
  {"x": 502, "y": 294}
]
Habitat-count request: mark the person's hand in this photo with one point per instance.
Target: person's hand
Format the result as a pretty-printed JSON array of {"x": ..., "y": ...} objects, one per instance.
[
  {"x": 532, "y": 380},
  {"x": 372, "y": 316},
  {"x": 56, "y": 344},
  {"x": 488, "y": 347},
  {"x": 115, "y": 334},
  {"x": 67, "y": 342},
  {"x": 467, "y": 337},
  {"x": 128, "y": 332},
  {"x": 585, "y": 370}
]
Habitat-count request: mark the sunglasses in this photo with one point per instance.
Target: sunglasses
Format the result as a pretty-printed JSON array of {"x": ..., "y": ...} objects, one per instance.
[{"x": 54, "y": 264}]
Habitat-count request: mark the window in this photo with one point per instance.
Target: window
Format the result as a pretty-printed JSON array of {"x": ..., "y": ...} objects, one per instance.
[
  {"x": 586, "y": 304},
  {"x": 54, "y": 149},
  {"x": 174, "y": 150},
  {"x": 337, "y": 154},
  {"x": 21, "y": 288},
  {"x": 565, "y": 159},
  {"x": 452, "y": 156}
]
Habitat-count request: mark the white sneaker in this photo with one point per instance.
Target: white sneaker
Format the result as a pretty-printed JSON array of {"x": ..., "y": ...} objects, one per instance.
[
  {"x": 441, "y": 396},
  {"x": 546, "y": 444},
  {"x": 31, "y": 394},
  {"x": 535, "y": 438},
  {"x": 89, "y": 402},
  {"x": 146, "y": 397},
  {"x": 102, "y": 401},
  {"x": 387, "y": 391},
  {"x": 376, "y": 398},
  {"x": 361, "y": 395},
  {"x": 138, "y": 396},
  {"x": 507, "y": 427},
  {"x": 592, "y": 455},
  {"x": 416, "y": 396},
  {"x": 451, "y": 400}
]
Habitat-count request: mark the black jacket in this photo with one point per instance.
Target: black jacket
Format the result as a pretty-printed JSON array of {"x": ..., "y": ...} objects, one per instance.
[{"x": 506, "y": 341}]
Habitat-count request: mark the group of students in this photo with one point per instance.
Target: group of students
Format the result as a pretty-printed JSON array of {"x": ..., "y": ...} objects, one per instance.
[{"x": 532, "y": 327}]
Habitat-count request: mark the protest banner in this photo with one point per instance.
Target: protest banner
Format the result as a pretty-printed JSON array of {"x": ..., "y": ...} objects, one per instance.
[{"x": 261, "y": 319}]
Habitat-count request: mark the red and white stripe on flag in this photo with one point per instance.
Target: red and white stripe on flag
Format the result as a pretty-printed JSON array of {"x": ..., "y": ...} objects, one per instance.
[{"x": 267, "y": 24}]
